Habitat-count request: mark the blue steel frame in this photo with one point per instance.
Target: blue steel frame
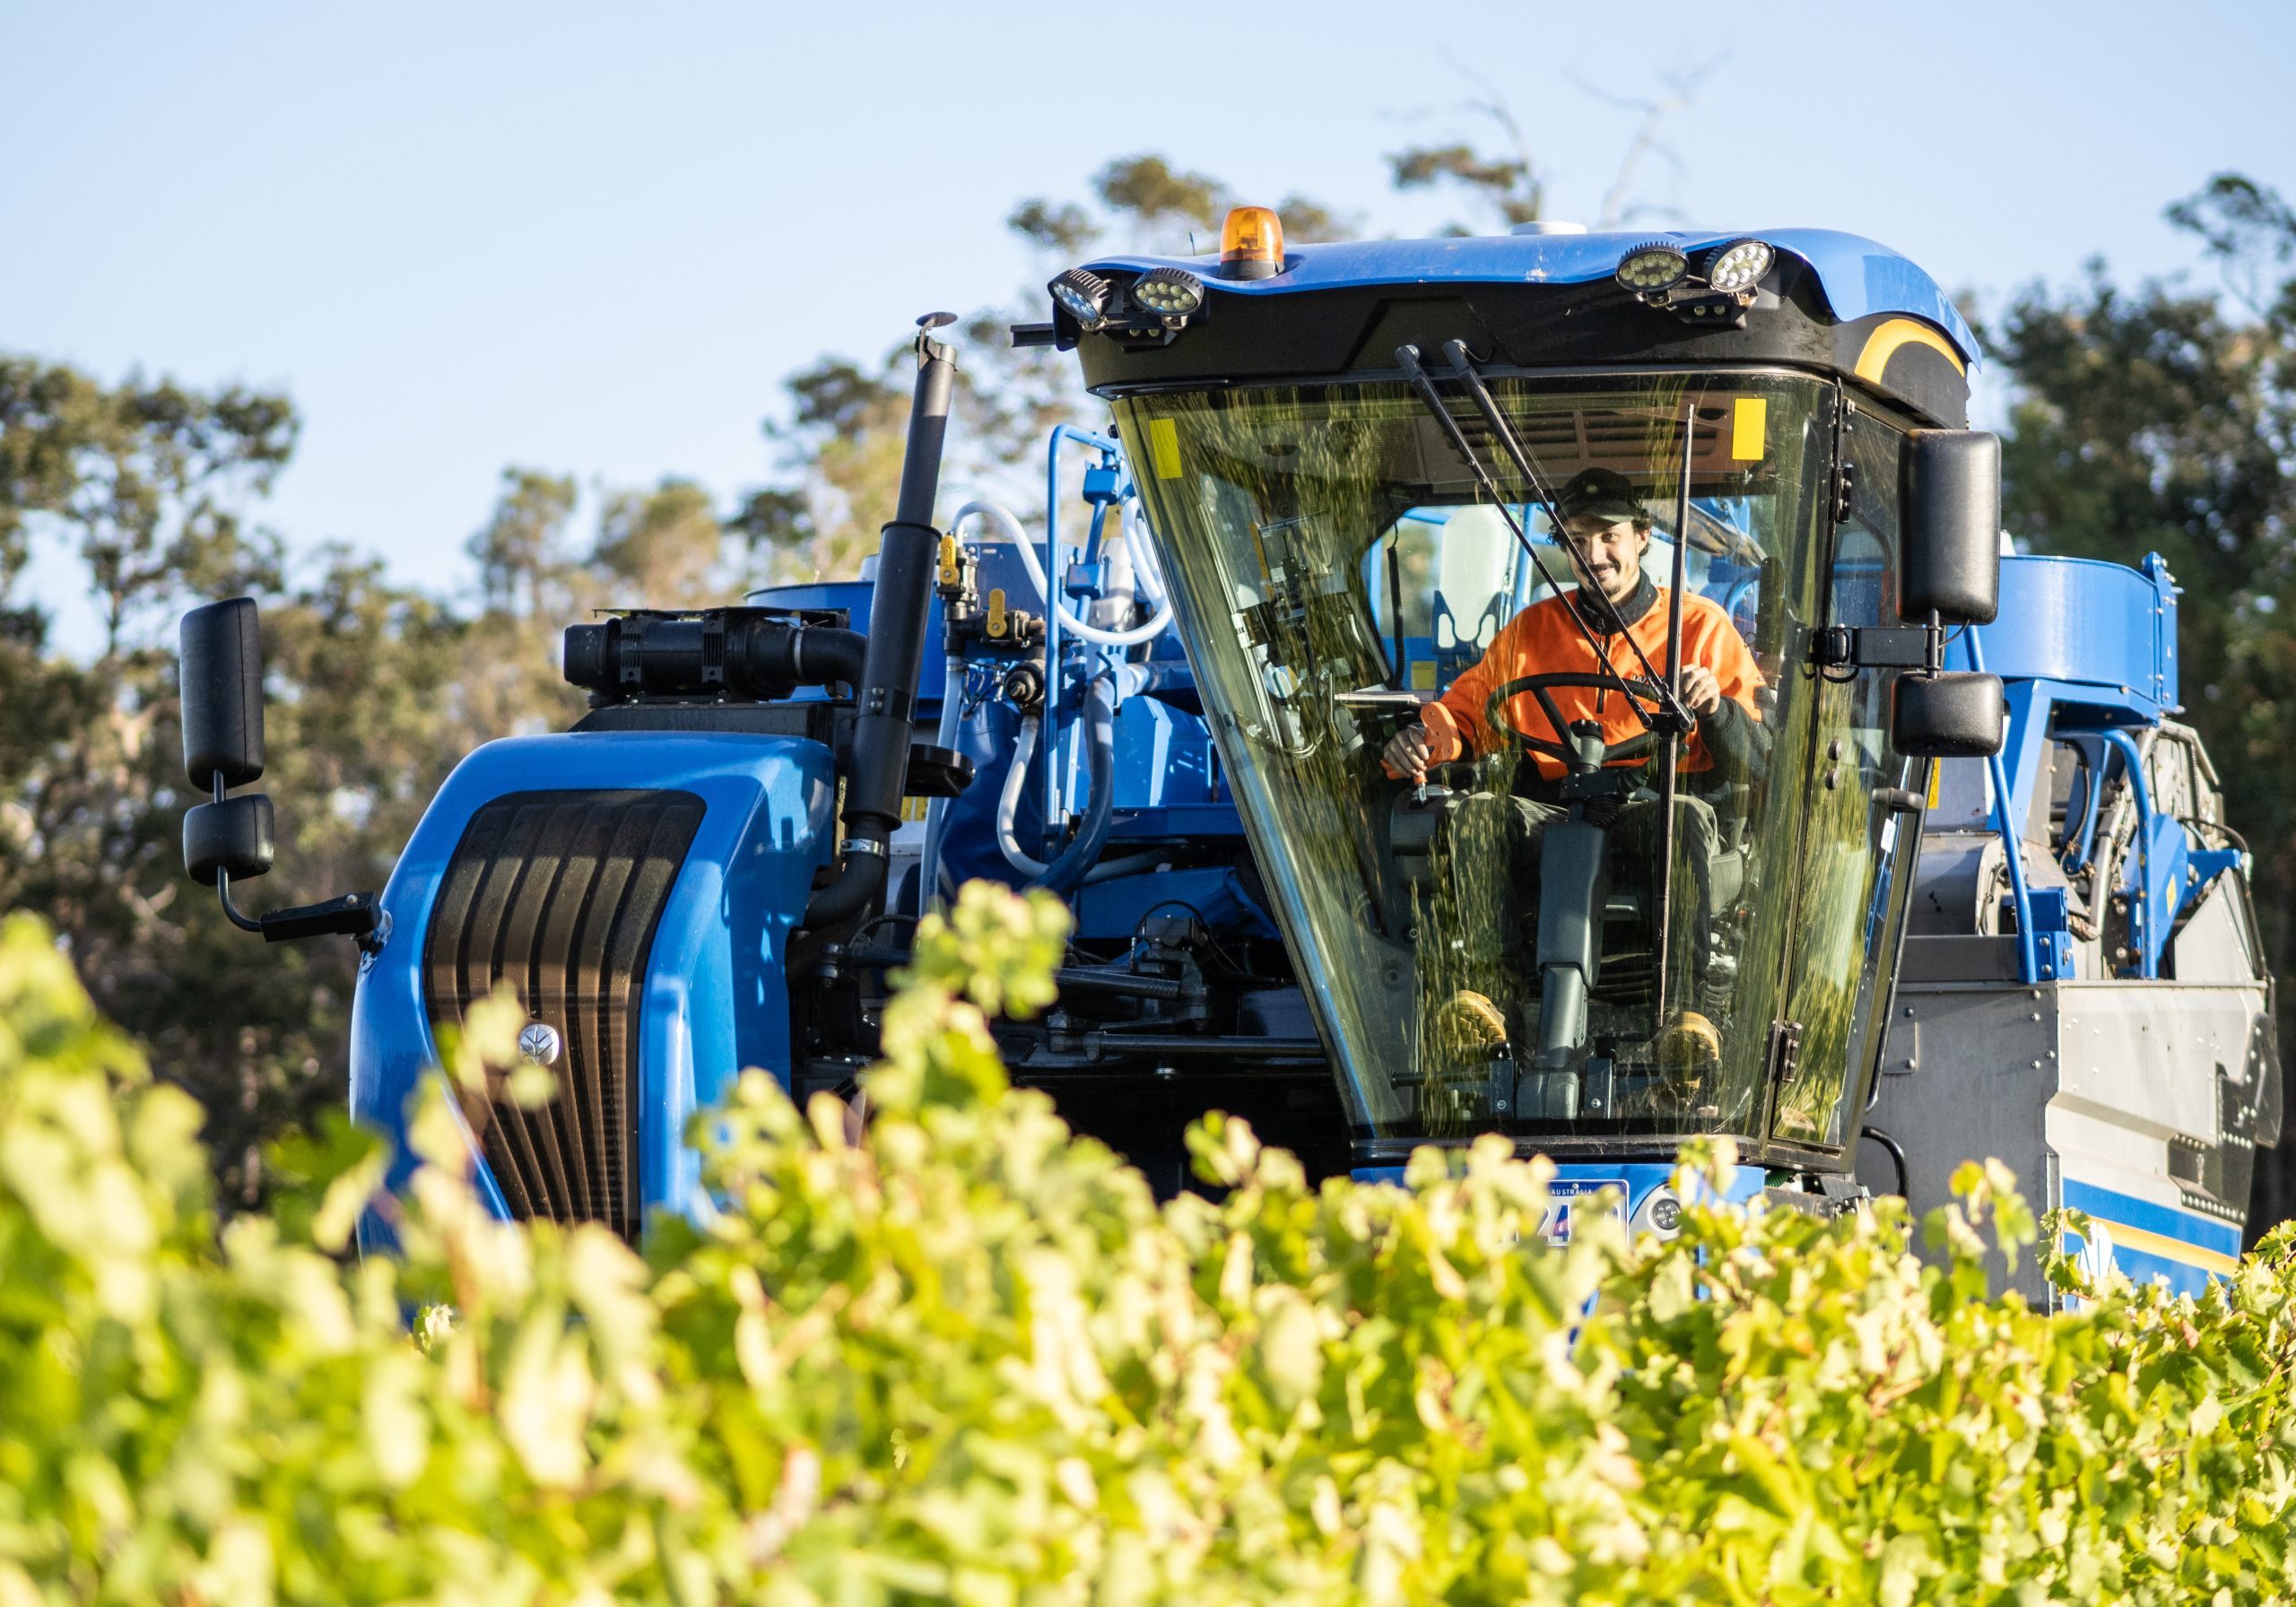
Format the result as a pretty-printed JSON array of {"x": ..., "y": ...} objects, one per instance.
[
  {"x": 1105, "y": 482},
  {"x": 2086, "y": 652}
]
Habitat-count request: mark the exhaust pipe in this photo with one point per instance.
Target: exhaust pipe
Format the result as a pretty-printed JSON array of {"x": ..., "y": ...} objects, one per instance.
[{"x": 885, "y": 698}]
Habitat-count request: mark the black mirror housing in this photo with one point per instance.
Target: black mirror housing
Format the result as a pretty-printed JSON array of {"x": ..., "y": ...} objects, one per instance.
[
  {"x": 1949, "y": 526},
  {"x": 1954, "y": 716},
  {"x": 234, "y": 836},
  {"x": 220, "y": 678}
]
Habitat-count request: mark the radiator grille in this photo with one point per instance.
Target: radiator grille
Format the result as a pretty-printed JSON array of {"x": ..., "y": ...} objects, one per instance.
[{"x": 558, "y": 893}]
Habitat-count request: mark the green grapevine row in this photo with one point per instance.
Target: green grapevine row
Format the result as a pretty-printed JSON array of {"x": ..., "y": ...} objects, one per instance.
[{"x": 968, "y": 1357}]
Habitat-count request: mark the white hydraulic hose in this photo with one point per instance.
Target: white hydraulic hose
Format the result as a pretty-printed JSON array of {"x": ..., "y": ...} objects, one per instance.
[
  {"x": 1142, "y": 553},
  {"x": 1008, "y": 810},
  {"x": 1008, "y": 801},
  {"x": 1009, "y": 527}
]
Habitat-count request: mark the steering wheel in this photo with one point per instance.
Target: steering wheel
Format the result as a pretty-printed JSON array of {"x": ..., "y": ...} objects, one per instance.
[{"x": 1494, "y": 714}]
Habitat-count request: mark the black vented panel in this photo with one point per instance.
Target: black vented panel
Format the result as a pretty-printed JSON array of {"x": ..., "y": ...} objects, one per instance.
[{"x": 558, "y": 893}]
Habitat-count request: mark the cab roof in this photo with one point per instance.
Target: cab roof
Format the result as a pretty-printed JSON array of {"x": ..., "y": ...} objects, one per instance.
[
  {"x": 1831, "y": 300},
  {"x": 1859, "y": 277}
]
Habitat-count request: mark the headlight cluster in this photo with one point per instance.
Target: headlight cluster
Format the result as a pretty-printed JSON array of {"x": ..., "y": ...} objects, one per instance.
[
  {"x": 1714, "y": 290},
  {"x": 1160, "y": 300}
]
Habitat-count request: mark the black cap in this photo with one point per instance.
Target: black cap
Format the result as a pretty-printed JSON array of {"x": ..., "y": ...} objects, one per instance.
[{"x": 1604, "y": 492}]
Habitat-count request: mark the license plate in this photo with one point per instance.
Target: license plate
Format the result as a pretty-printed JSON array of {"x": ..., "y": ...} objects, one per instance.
[{"x": 1566, "y": 1196}]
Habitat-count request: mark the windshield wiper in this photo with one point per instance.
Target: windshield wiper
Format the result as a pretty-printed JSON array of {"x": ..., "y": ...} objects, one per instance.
[{"x": 1673, "y": 714}]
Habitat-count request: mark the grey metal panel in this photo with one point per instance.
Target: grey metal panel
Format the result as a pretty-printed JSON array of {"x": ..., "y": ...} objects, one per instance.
[
  {"x": 2145, "y": 1056},
  {"x": 1957, "y": 960},
  {"x": 1967, "y": 1074},
  {"x": 2214, "y": 945}
]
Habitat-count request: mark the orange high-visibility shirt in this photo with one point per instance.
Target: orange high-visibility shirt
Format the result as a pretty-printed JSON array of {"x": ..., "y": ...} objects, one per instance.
[{"x": 1543, "y": 640}]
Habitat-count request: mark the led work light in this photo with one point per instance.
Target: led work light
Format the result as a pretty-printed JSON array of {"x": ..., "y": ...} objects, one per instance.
[
  {"x": 1649, "y": 269},
  {"x": 1083, "y": 295},
  {"x": 1169, "y": 293},
  {"x": 1739, "y": 266}
]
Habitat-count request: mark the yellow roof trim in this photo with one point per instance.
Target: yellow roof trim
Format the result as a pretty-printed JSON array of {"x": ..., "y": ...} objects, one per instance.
[{"x": 1883, "y": 343}]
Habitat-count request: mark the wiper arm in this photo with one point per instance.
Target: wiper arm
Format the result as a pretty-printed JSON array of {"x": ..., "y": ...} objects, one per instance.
[
  {"x": 1463, "y": 367},
  {"x": 1407, "y": 360}
]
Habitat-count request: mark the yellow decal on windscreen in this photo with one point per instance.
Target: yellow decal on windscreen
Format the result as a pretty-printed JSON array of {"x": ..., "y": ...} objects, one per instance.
[
  {"x": 1749, "y": 423},
  {"x": 1164, "y": 449}
]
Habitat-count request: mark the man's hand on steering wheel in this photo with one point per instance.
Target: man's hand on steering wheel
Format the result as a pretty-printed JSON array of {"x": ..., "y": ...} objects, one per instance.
[{"x": 1702, "y": 689}]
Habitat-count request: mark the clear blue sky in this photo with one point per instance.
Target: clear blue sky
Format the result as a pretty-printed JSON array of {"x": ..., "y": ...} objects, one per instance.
[{"x": 592, "y": 239}]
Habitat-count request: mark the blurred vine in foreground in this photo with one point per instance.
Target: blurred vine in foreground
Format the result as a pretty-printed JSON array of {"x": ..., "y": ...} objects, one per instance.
[{"x": 968, "y": 1357}]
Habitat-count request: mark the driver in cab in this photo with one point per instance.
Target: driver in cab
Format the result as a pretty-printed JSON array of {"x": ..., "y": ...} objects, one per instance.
[{"x": 1605, "y": 529}]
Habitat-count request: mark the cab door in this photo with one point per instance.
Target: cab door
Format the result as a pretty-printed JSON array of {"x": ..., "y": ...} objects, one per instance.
[{"x": 1855, "y": 862}]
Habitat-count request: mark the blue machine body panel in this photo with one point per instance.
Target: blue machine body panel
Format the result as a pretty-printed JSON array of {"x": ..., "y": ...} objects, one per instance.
[
  {"x": 1860, "y": 277},
  {"x": 2087, "y": 654},
  {"x": 2148, "y": 1242},
  {"x": 713, "y": 999},
  {"x": 2103, "y": 631}
]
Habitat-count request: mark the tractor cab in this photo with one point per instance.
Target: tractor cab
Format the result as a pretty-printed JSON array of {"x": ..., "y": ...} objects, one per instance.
[{"x": 1599, "y": 935}]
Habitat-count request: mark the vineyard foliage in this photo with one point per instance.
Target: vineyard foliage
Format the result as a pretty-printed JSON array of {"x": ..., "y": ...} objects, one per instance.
[{"x": 969, "y": 1357}]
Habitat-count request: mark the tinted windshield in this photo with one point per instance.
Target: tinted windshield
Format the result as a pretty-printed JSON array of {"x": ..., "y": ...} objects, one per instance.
[{"x": 1337, "y": 570}]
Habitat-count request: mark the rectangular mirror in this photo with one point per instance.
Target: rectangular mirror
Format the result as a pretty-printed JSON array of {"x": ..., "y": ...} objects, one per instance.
[
  {"x": 234, "y": 836},
  {"x": 1953, "y": 716},
  {"x": 221, "y": 677},
  {"x": 1949, "y": 513}
]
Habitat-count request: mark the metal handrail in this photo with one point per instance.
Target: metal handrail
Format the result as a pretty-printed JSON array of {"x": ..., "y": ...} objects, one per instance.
[{"x": 2029, "y": 961}]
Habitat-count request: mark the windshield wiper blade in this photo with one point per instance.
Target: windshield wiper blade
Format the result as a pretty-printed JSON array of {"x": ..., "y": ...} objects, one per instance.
[
  {"x": 1413, "y": 371},
  {"x": 1463, "y": 367}
]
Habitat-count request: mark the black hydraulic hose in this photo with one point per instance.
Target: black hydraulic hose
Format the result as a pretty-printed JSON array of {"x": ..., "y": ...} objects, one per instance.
[
  {"x": 1066, "y": 873},
  {"x": 1897, "y": 1154},
  {"x": 885, "y": 694}
]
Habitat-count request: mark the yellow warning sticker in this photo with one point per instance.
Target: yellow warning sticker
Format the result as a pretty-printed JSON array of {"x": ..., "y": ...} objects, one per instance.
[
  {"x": 1936, "y": 774},
  {"x": 1164, "y": 449},
  {"x": 1422, "y": 675},
  {"x": 1749, "y": 424}
]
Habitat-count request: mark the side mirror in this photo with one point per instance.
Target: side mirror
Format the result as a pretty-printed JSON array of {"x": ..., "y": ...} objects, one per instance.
[
  {"x": 231, "y": 835},
  {"x": 1953, "y": 715},
  {"x": 221, "y": 681},
  {"x": 227, "y": 840},
  {"x": 1949, "y": 526}
]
